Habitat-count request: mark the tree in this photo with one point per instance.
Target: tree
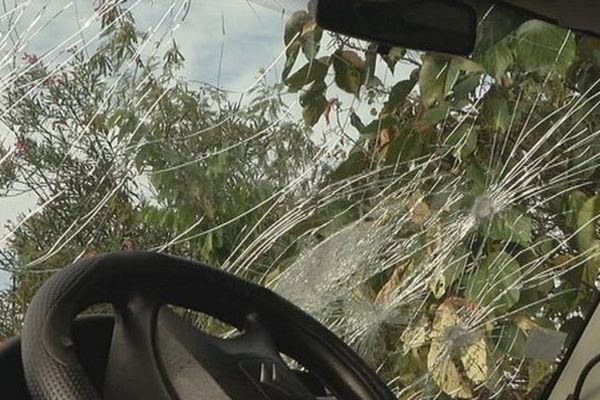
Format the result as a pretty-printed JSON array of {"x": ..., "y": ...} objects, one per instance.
[
  {"x": 453, "y": 227},
  {"x": 477, "y": 178},
  {"x": 122, "y": 153}
]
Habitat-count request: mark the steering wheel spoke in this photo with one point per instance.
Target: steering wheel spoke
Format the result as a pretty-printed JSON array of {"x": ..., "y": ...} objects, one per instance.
[{"x": 132, "y": 370}]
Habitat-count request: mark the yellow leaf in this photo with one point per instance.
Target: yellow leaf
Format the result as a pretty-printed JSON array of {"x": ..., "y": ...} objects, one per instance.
[
  {"x": 353, "y": 58},
  {"x": 444, "y": 371},
  {"x": 563, "y": 260},
  {"x": 385, "y": 138},
  {"x": 475, "y": 361},
  {"x": 446, "y": 316},
  {"x": 537, "y": 371},
  {"x": 420, "y": 213},
  {"x": 447, "y": 376},
  {"x": 437, "y": 285},
  {"x": 524, "y": 323},
  {"x": 390, "y": 286},
  {"x": 415, "y": 335}
]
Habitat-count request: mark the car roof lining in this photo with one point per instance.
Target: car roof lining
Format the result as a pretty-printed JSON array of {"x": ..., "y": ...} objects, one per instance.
[{"x": 580, "y": 15}]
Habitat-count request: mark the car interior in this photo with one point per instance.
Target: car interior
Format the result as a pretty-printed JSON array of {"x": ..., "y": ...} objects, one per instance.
[{"x": 139, "y": 347}]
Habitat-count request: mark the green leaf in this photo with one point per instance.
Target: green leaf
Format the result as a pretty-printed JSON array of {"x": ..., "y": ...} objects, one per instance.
[
  {"x": 587, "y": 239},
  {"x": 311, "y": 72},
  {"x": 353, "y": 165},
  {"x": 467, "y": 64},
  {"x": 116, "y": 118},
  {"x": 592, "y": 265},
  {"x": 313, "y": 110},
  {"x": 293, "y": 39},
  {"x": 571, "y": 205},
  {"x": 495, "y": 283},
  {"x": 494, "y": 47},
  {"x": 327, "y": 220},
  {"x": 497, "y": 59},
  {"x": 511, "y": 340},
  {"x": 406, "y": 145},
  {"x": 588, "y": 47},
  {"x": 350, "y": 71},
  {"x": 393, "y": 56},
  {"x": 380, "y": 124},
  {"x": 462, "y": 140},
  {"x": 477, "y": 178},
  {"x": 311, "y": 39},
  {"x": 356, "y": 122},
  {"x": 584, "y": 157},
  {"x": 371, "y": 65},
  {"x": 496, "y": 112},
  {"x": 437, "y": 77},
  {"x": 437, "y": 113},
  {"x": 537, "y": 371},
  {"x": 452, "y": 72},
  {"x": 497, "y": 26},
  {"x": 511, "y": 225},
  {"x": 464, "y": 88},
  {"x": 207, "y": 246},
  {"x": 291, "y": 55},
  {"x": 586, "y": 224},
  {"x": 457, "y": 265},
  {"x": 543, "y": 47},
  {"x": 543, "y": 245},
  {"x": 399, "y": 93},
  {"x": 314, "y": 103},
  {"x": 295, "y": 25}
]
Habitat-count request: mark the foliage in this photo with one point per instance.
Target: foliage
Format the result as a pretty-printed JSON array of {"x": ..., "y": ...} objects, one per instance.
[
  {"x": 456, "y": 223},
  {"x": 495, "y": 129}
]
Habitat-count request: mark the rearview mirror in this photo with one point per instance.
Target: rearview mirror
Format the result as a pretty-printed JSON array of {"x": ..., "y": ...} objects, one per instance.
[{"x": 447, "y": 26}]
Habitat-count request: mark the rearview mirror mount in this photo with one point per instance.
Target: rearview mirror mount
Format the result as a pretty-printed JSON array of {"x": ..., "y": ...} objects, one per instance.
[{"x": 447, "y": 26}]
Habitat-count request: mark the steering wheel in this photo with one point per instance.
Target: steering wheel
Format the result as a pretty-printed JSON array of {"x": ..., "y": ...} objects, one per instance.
[{"x": 155, "y": 354}]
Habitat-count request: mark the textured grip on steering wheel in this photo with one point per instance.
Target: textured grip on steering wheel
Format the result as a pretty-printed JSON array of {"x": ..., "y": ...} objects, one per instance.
[{"x": 49, "y": 375}]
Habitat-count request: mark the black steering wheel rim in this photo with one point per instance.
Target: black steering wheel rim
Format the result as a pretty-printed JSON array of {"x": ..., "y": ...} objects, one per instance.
[{"x": 50, "y": 362}]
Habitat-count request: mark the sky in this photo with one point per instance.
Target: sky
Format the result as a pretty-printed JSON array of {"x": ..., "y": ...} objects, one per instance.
[{"x": 246, "y": 38}]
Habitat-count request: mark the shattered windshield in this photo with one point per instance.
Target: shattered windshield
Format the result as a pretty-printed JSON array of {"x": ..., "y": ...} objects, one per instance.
[{"x": 439, "y": 213}]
